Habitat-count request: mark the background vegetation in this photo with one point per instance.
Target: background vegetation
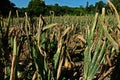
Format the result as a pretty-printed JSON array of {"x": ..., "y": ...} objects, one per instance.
[{"x": 36, "y": 7}]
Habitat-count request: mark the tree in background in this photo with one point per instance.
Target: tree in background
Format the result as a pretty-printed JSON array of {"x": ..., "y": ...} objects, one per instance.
[
  {"x": 86, "y": 8},
  {"x": 22, "y": 11},
  {"x": 99, "y": 5},
  {"x": 57, "y": 9},
  {"x": 116, "y": 4},
  {"x": 6, "y": 6},
  {"x": 36, "y": 7},
  {"x": 91, "y": 9}
]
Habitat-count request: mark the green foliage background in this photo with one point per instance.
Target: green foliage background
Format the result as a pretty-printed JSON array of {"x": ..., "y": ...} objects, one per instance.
[{"x": 37, "y": 7}]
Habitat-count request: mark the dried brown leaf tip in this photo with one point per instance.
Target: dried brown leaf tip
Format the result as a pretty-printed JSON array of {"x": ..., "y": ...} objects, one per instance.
[
  {"x": 81, "y": 38},
  {"x": 11, "y": 31},
  {"x": 119, "y": 26},
  {"x": 14, "y": 31},
  {"x": 105, "y": 23}
]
